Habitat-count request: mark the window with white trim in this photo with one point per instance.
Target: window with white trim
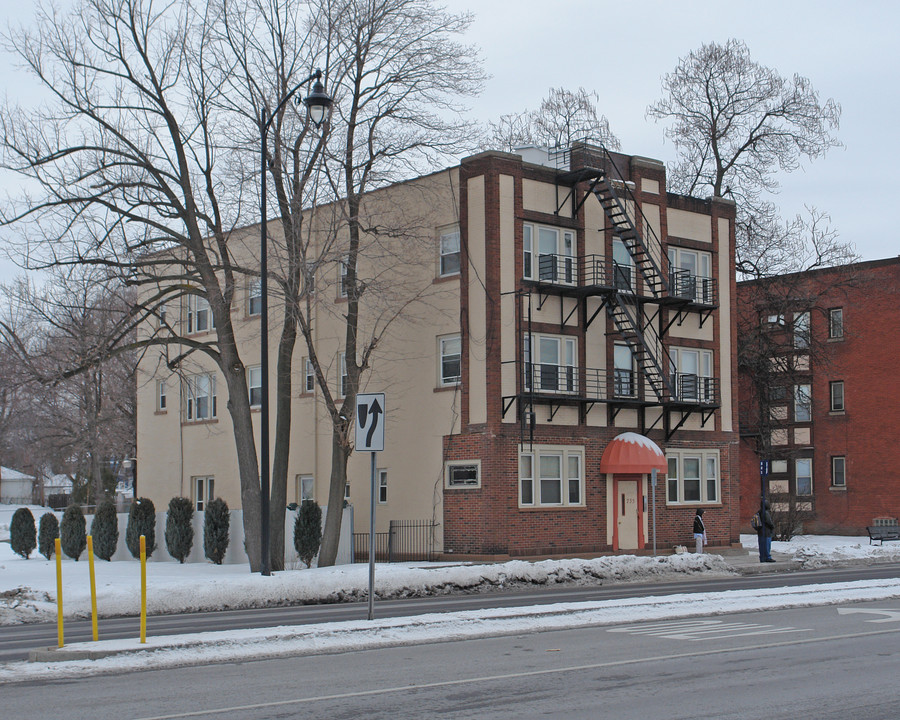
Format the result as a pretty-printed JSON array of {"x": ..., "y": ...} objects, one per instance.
[
  {"x": 803, "y": 475},
  {"x": 836, "y": 323},
  {"x": 801, "y": 330},
  {"x": 382, "y": 486},
  {"x": 346, "y": 491},
  {"x": 549, "y": 254},
  {"x": 693, "y": 477},
  {"x": 690, "y": 275},
  {"x": 254, "y": 385},
  {"x": 449, "y": 249},
  {"x": 839, "y": 471},
  {"x": 624, "y": 372},
  {"x": 309, "y": 376},
  {"x": 161, "y": 396},
  {"x": 836, "y": 393},
  {"x": 550, "y": 363},
  {"x": 199, "y": 315},
  {"x": 343, "y": 271},
  {"x": 691, "y": 370},
  {"x": 201, "y": 397},
  {"x": 551, "y": 476},
  {"x": 254, "y": 296},
  {"x": 202, "y": 489},
  {"x": 451, "y": 359},
  {"x": 342, "y": 380},
  {"x": 306, "y": 488},
  {"x": 462, "y": 474},
  {"x": 623, "y": 266},
  {"x": 802, "y": 403}
]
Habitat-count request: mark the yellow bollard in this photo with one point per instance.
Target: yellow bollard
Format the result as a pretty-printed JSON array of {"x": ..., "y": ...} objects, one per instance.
[
  {"x": 59, "y": 609},
  {"x": 143, "y": 589},
  {"x": 90, "y": 545}
]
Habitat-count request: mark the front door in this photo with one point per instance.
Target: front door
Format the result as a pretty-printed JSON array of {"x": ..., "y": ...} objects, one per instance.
[{"x": 627, "y": 512}]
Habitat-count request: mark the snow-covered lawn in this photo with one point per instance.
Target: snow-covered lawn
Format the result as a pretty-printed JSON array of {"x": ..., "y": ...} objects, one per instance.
[{"x": 28, "y": 594}]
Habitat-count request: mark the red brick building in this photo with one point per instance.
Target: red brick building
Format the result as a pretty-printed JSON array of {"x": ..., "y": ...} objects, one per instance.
[
  {"x": 831, "y": 393},
  {"x": 593, "y": 302}
]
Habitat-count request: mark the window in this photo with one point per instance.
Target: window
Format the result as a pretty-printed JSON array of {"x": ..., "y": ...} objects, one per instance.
[
  {"x": 343, "y": 279},
  {"x": 203, "y": 491},
  {"x": 254, "y": 385},
  {"x": 778, "y": 393},
  {"x": 803, "y": 468},
  {"x": 382, "y": 486},
  {"x": 624, "y": 375},
  {"x": 551, "y": 476},
  {"x": 801, "y": 330},
  {"x": 550, "y": 363},
  {"x": 342, "y": 382},
  {"x": 451, "y": 359},
  {"x": 201, "y": 397},
  {"x": 254, "y": 297},
  {"x": 161, "y": 396},
  {"x": 623, "y": 267},
  {"x": 774, "y": 319},
  {"x": 199, "y": 316},
  {"x": 463, "y": 474},
  {"x": 692, "y": 374},
  {"x": 161, "y": 315},
  {"x": 693, "y": 477},
  {"x": 553, "y": 260},
  {"x": 836, "y": 323},
  {"x": 449, "y": 245},
  {"x": 309, "y": 376},
  {"x": 346, "y": 491},
  {"x": 836, "y": 389},
  {"x": 802, "y": 403},
  {"x": 306, "y": 488},
  {"x": 690, "y": 277},
  {"x": 839, "y": 471}
]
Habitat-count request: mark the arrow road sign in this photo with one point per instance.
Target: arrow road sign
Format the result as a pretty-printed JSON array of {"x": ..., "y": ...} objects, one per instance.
[{"x": 370, "y": 417}]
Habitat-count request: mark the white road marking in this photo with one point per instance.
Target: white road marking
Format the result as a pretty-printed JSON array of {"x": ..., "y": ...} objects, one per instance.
[
  {"x": 891, "y": 615},
  {"x": 696, "y": 630}
]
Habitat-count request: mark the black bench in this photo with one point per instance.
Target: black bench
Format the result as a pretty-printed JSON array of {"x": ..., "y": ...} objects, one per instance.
[{"x": 883, "y": 533}]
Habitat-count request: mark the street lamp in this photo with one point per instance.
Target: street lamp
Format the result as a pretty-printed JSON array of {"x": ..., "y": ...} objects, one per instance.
[{"x": 318, "y": 105}]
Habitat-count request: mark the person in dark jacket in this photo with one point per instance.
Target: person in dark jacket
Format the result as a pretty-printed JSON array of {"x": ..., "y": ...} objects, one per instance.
[
  {"x": 764, "y": 534},
  {"x": 699, "y": 531}
]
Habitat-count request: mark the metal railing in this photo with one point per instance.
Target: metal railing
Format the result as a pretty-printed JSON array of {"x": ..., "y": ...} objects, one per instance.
[
  {"x": 406, "y": 540},
  {"x": 694, "y": 288}
]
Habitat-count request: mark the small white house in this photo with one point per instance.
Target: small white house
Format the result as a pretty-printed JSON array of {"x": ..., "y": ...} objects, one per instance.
[{"x": 15, "y": 487}]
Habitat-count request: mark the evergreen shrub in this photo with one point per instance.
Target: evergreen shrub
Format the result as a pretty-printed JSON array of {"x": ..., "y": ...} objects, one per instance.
[
  {"x": 216, "y": 522},
  {"x": 308, "y": 531},
  {"x": 179, "y": 531},
  {"x": 141, "y": 521},
  {"x": 48, "y": 531},
  {"x": 73, "y": 532},
  {"x": 22, "y": 535},
  {"x": 105, "y": 530}
]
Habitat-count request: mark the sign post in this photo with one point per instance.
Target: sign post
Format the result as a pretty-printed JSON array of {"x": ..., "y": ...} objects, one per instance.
[
  {"x": 370, "y": 417},
  {"x": 653, "y": 488},
  {"x": 764, "y": 468}
]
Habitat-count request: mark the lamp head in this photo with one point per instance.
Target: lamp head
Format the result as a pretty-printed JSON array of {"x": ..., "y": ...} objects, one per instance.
[{"x": 318, "y": 102}]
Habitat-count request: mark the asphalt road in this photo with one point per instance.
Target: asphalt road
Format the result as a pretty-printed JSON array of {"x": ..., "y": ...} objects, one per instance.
[
  {"x": 823, "y": 663},
  {"x": 17, "y": 640}
]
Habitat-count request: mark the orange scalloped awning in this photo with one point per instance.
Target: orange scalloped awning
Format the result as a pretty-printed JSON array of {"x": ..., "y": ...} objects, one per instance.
[{"x": 632, "y": 453}]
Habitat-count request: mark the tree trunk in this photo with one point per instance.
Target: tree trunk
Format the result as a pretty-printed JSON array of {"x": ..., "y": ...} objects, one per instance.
[{"x": 340, "y": 452}]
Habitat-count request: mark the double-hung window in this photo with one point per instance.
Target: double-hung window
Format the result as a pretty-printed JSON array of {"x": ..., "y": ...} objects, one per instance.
[
  {"x": 549, "y": 254},
  {"x": 836, "y": 323},
  {"x": 450, "y": 257},
  {"x": 550, "y": 363},
  {"x": 451, "y": 359},
  {"x": 254, "y": 297},
  {"x": 342, "y": 381},
  {"x": 382, "y": 486},
  {"x": 624, "y": 375},
  {"x": 801, "y": 330},
  {"x": 839, "y": 471},
  {"x": 254, "y": 385},
  {"x": 306, "y": 488},
  {"x": 802, "y": 403},
  {"x": 690, "y": 276},
  {"x": 201, "y": 397},
  {"x": 551, "y": 476},
  {"x": 161, "y": 397},
  {"x": 202, "y": 490},
  {"x": 693, "y": 477},
  {"x": 343, "y": 276},
  {"x": 199, "y": 316},
  {"x": 803, "y": 475},
  {"x": 309, "y": 376},
  {"x": 622, "y": 267},
  {"x": 692, "y": 374},
  {"x": 836, "y": 390}
]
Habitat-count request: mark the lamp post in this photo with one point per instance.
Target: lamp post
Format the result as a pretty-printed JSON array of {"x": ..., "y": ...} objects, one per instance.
[{"x": 318, "y": 105}]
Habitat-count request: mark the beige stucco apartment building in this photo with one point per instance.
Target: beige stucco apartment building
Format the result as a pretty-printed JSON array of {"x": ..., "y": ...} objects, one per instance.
[{"x": 550, "y": 303}]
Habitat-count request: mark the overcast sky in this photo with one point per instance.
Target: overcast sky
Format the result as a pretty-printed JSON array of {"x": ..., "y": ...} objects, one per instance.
[{"x": 621, "y": 50}]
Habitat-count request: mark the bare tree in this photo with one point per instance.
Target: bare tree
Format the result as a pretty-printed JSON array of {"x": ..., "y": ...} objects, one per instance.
[
  {"x": 563, "y": 117},
  {"x": 736, "y": 123}
]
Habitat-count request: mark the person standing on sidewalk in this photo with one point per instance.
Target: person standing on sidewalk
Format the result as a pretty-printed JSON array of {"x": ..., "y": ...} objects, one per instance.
[
  {"x": 764, "y": 526},
  {"x": 699, "y": 531}
]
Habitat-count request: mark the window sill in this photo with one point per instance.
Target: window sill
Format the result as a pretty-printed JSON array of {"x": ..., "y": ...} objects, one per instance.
[
  {"x": 211, "y": 421},
  {"x": 463, "y": 487},
  {"x": 835, "y": 339},
  {"x": 445, "y": 278},
  {"x": 552, "y": 508},
  {"x": 836, "y": 413},
  {"x": 161, "y": 412},
  {"x": 448, "y": 388},
  {"x": 837, "y": 488}
]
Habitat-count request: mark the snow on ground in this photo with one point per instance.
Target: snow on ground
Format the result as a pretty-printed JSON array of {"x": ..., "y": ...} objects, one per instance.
[{"x": 28, "y": 594}]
